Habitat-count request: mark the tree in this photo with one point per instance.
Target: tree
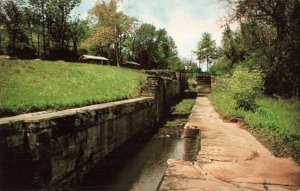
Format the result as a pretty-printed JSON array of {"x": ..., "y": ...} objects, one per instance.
[
  {"x": 44, "y": 27},
  {"x": 2, "y": 29},
  {"x": 13, "y": 17},
  {"x": 40, "y": 18},
  {"x": 52, "y": 25},
  {"x": 232, "y": 46},
  {"x": 79, "y": 30},
  {"x": 206, "y": 49},
  {"x": 271, "y": 30},
  {"x": 59, "y": 27},
  {"x": 111, "y": 27},
  {"x": 152, "y": 48},
  {"x": 167, "y": 55},
  {"x": 142, "y": 49}
]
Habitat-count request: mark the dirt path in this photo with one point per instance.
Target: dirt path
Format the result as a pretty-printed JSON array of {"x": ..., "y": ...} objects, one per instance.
[{"x": 230, "y": 159}]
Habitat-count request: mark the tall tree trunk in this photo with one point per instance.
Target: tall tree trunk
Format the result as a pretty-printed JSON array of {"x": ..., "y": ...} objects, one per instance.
[
  {"x": 0, "y": 43},
  {"x": 116, "y": 46},
  {"x": 207, "y": 64},
  {"x": 44, "y": 41},
  {"x": 14, "y": 42},
  {"x": 38, "y": 44},
  {"x": 75, "y": 47},
  {"x": 117, "y": 53}
]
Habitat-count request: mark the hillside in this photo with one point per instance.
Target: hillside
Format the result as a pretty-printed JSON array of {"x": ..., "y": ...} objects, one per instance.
[{"x": 34, "y": 85}]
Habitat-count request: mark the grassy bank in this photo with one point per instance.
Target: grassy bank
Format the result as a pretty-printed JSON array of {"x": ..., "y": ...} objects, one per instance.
[
  {"x": 184, "y": 107},
  {"x": 275, "y": 122},
  {"x": 173, "y": 124},
  {"x": 27, "y": 86}
]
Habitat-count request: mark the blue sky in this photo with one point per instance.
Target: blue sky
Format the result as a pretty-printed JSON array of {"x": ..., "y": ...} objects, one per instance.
[{"x": 185, "y": 20}]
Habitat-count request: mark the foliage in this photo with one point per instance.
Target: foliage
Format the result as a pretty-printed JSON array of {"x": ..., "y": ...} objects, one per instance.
[
  {"x": 80, "y": 30},
  {"x": 275, "y": 120},
  {"x": 48, "y": 30},
  {"x": 152, "y": 48},
  {"x": 12, "y": 16},
  {"x": 39, "y": 28},
  {"x": 245, "y": 85},
  {"x": 192, "y": 84},
  {"x": 270, "y": 31},
  {"x": 206, "y": 49},
  {"x": 221, "y": 67},
  {"x": 189, "y": 65},
  {"x": 27, "y": 86},
  {"x": 184, "y": 107},
  {"x": 110, "y": 29},
  {"x": 232, "y": 46}
]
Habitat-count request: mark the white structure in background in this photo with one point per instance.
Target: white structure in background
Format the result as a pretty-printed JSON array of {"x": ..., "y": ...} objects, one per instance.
[{"x": 94, "y": 59}]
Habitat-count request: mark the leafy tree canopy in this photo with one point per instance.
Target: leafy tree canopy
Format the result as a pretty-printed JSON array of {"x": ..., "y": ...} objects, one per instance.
[{"x": 206, "y": 49}]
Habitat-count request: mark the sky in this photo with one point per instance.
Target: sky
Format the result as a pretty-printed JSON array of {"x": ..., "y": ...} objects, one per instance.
[{"x": 184, "y": 20}]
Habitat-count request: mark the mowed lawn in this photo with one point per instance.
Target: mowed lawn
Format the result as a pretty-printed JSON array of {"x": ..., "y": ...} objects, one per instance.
[{"x": 34, "y": 85}]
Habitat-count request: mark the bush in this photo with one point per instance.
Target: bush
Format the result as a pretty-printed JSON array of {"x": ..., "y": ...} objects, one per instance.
[
  {"x": 192, "y": 84},
  {"x": 275, "y": 121},
  {"x": 245, "y": 85},
  {"x": 221, "y": 67}
]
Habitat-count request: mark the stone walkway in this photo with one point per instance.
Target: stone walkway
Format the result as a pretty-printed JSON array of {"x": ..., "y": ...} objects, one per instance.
[{"x": 230, "y": 159}]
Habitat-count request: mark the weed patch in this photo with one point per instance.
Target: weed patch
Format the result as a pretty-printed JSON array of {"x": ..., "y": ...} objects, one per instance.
[{"x": 183, "y": 108}]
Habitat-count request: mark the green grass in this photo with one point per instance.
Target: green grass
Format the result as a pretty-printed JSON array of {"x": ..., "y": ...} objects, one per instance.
[
  {"x": 275, "y": 122},
  {"x": 173, "y": 124},
  {"x": 184, "y": 107},
  {"x": 27, "y": 86}
]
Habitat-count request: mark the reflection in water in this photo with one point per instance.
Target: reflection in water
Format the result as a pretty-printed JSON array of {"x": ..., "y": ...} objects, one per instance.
[{"x": 144, "y": 170}]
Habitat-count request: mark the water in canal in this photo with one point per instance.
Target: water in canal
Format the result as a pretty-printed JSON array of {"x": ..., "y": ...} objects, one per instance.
[
  {"x": 140, "y": 167},
  {"x": 140, "y": 164}
]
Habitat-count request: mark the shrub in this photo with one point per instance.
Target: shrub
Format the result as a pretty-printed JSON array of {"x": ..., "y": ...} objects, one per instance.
[
  {"x": 221, "y": 67},
  {"x": 245, "y": 85},
  {"x": 192, "y": 84}
]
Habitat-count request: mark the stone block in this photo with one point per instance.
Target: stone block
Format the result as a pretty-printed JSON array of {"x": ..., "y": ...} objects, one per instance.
[
  {"x": 70, "y": 152},
  {"x": 81, "y": 136},
  {"x": 75, "y": 140},
  {"x": 15, "y": 140}
]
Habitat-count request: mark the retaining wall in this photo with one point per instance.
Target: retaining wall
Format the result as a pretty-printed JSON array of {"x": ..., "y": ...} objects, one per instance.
[{"x": 54, "y": 150}]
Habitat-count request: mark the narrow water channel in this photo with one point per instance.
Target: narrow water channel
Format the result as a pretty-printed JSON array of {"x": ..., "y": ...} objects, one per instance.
[
  {"x": 141, "y": 172},
  {"x": 147, "y": 168},
  {"x": 140, "y": 164}
]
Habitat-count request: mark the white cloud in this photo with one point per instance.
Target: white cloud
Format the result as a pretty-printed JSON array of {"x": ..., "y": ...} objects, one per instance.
[
  {"x": 147, "y": 18},
  {"x": 184, "y": 20},
  {"x": 187, "y": 31}
]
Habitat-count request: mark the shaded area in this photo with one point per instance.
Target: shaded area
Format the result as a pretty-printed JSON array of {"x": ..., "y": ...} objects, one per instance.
[{"x": 141, "y": 163}]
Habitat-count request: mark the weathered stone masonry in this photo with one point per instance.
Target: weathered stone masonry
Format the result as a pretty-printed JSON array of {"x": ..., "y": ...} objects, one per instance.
[{"x": 54, "y": 150}]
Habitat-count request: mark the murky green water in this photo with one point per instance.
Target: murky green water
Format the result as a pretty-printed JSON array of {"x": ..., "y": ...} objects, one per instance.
[{"x": 141, "y": 171}]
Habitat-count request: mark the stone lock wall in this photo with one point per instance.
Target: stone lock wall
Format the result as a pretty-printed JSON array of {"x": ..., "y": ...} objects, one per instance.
[
  {"x": 170, "y": 84},
  {"x": 54, "y": 150},
  {"x": 42, "y": 151}
]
